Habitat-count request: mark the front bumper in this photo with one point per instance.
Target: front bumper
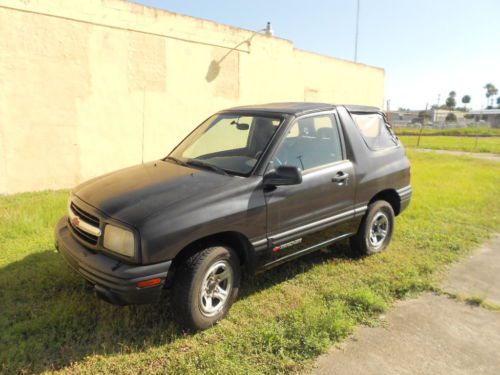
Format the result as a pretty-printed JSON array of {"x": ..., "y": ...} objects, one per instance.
[{"x": 113, "y": 280}]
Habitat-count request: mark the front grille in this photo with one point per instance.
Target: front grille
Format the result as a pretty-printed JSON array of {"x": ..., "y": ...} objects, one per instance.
[
  {"x": 87, "y": 237},
  {"x": 85, "y": 216},
  {"x": 89, "y": 219}
]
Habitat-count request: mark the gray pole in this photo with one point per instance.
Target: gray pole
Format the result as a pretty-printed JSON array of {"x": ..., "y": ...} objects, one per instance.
[{"x": 357, "y": 33}]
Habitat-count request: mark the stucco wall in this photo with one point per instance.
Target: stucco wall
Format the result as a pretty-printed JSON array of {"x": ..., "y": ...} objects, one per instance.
[{"x": 87, "y": 87}]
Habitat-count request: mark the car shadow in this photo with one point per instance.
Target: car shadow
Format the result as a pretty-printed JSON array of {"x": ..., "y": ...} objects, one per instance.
[
  {"x": 49, "y": 317},
  {"x": 286, "y": 271}
]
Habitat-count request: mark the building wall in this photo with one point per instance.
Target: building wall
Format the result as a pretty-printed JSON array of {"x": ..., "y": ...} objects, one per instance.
[{"x": 87, "y": 87}]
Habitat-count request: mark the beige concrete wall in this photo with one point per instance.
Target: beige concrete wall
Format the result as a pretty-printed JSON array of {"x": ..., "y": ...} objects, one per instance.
[{"x": 83, "y": 83}]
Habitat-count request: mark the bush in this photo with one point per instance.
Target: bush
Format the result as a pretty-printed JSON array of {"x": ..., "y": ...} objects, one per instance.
[{"x": 451, "y": 117}]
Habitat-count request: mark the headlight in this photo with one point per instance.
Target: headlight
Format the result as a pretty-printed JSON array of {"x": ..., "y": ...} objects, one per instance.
[{"x": 119, "y": 240}]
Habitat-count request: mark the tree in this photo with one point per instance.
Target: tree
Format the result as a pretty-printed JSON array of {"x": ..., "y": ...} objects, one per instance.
[
  {"x": 423, "y": 115},
  {"x": 498, "y": 102},
  {"x": 450, "y": 101},
  {"x": 465, "y": 101},
  {"x": 491, "y": 92},
  {"x": 451, "y": 117}
]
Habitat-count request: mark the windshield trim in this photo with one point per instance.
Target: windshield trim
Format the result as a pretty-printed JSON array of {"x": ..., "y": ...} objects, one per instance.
[{"x": 203, "y": 164}]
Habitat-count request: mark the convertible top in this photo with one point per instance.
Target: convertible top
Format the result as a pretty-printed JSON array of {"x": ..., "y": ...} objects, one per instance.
[
  {"x": 361, "y": 108},
  {"x": 299, "y": 108}
]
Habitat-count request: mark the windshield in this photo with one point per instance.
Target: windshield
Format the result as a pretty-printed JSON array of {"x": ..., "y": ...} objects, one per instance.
[{"x": 231, "y": 143}]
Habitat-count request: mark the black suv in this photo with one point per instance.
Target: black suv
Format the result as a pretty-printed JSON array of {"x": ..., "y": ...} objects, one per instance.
[{"x": 248, "y": 189}]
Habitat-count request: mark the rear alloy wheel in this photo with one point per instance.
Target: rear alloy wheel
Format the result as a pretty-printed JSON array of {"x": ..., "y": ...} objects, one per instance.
[
  {"x": 205, "y": 287},
  {"x": 376, "y": 229},
  {"x": 379, "y": 229}
]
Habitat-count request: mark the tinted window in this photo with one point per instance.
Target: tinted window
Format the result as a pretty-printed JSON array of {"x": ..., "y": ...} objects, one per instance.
[
  {"x": 311, "y": 142},
  {"x": 375, "y": 131}
]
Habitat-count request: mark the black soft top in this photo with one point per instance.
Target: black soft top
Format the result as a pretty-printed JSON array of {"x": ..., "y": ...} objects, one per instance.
[
  {"x": 299, "y": 108},
  {"x": 361, "y": 108}
]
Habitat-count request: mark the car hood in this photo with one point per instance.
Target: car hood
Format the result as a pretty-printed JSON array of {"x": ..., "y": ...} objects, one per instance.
[{"x": 133, "y": 194}]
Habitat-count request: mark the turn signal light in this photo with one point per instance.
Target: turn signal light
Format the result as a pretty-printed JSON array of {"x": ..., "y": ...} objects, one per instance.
[{"x": 146, "y": 283}]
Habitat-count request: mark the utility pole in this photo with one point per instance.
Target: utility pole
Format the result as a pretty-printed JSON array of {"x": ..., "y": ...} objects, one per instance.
[
  {"x": 423, "y": 124},
  {"x": 436, "y": 111},
  {"x": 357, "y": 33}
]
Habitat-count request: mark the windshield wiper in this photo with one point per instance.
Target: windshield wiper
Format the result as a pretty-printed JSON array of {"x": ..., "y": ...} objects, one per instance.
[
  {"x": 175, "y": 160},
  {"x": 199, "y": 163}
]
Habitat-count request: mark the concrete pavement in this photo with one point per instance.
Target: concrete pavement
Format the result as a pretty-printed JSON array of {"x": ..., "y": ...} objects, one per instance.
[
  {"x": 479, "y": 155},
  {"x": 478, "y": 275},
  {"x": 432, "y": 334}
]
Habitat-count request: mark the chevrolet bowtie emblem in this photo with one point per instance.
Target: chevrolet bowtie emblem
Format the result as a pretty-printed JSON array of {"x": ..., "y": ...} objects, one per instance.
[{"x": 75, "y": 221}]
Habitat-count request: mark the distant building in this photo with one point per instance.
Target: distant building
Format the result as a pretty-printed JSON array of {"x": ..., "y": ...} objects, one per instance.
[
  {"x": 436, "y": 117},
  {"x": 491, "y": 116},
  {"x": 404, "y": 118}
]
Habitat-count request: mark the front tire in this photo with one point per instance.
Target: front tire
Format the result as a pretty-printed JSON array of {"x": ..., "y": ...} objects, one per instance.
[
  {"x": 376, "y": 229},
  {"x": 205, "y": 287}
]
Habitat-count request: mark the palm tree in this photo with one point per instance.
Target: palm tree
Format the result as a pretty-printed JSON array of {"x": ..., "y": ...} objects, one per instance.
[
  {"x": 465, "y": 101},
  {"x": 491, "y": 92},
  {"x": 450, "y": 101}
]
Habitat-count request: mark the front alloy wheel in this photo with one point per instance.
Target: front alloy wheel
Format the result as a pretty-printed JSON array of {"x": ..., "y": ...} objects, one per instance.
[
  {"x": 216, "y": 288},
  {"x": 205, "y": 286}
]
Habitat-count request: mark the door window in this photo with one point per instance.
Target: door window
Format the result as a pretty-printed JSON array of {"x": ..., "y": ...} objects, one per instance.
[{"x": 311, "y": 142}]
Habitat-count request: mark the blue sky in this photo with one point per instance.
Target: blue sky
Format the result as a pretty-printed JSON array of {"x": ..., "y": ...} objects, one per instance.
[{"x": 427, "y": 47}]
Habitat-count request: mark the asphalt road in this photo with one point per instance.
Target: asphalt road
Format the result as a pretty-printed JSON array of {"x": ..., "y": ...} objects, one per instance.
[{"x": 433, "y": 334}]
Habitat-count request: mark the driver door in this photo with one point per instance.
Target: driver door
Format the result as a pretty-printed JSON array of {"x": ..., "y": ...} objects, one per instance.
[{"x": 319, "y": 210}]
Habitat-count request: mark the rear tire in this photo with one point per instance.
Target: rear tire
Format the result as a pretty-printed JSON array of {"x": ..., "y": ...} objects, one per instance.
[
  {"x": 376, "y": 229},
  {"x": 205, "y": 287}
]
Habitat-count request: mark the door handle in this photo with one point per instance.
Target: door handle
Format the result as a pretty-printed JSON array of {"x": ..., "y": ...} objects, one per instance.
[{"x": 341, "y": 177}]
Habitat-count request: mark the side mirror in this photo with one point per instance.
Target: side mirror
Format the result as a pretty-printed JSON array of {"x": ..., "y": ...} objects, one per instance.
[{"x": 283, "y": 175}]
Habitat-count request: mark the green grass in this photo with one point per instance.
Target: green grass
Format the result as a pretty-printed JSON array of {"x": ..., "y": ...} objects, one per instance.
[
  {"x": 472, "y": 300},
  {"x": 470, "y": 144},
  {"x": 284, "y": 318},
  {"x": 471, "y": 131}
]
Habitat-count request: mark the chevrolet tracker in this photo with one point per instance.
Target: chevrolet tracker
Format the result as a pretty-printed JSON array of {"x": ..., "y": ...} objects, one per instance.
[{"x": 250, "y": 188}]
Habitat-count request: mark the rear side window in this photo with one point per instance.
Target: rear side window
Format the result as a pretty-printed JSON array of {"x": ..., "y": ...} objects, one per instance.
[{"x": 375, "y": 131}]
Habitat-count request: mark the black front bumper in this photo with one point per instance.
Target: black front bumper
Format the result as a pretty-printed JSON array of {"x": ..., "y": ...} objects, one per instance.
[{"x": 113, "y": 280}]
